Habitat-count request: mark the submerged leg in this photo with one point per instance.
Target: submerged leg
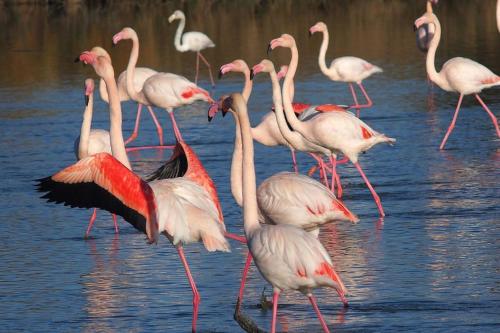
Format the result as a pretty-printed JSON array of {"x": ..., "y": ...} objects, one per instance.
[
  {"x": 294, "y": 160},
  {"x": 452, "y": 125},
  {"x": 136, "y": 126},
  {"x": 320, "y": 317},
  {"x": 492, "y": 116},
  {"x": 91, "y": 222},
  {"x": 276, "y": 296},
  {"x": 372, "y": 190},
  {"x": 159, "y": 130},
  {"x": 115, "y": 222},
  {"x": 196, "y": 295},
  {"x": 244, "y": 278},
  {"x": 209, "y": 68}
]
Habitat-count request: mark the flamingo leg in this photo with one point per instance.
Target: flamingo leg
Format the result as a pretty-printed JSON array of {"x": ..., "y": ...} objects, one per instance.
[
  {"x": 136, "y": 126},
  {"x": 177, "y": 133},
  {"x": 452, "y": 125},
  {"x": 492, "y": 116},
  {"x": 276, "y": 296},
  {"x": 320, "y": 317},
  {"x": 115, "y": 222},
  {"x": 294, "y": 160},
  {"x": 372, "y": 190},
  {"x": 244, "y": 277},
  {"x": 322, "y": 170},
  {"x": 196, "y": 295},
  {"x": 209, "y": 68},
  {"x": 91, "y": 222},
  {"x": 235, "y": 237},
  {"x": 197, "y": 67},
  {"x": 335, "y": 176},
  {"x": 355, "y": 99},
  {"x": 159, "y": 130}
]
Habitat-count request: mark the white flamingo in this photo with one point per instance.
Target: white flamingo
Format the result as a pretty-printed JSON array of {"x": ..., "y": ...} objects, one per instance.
[
  {"x": 194, "y": 41},
  {"x": 345, "y": 69},
  {"x": 141, "y": 75},
  {"x": 180, "y": 208},
  {"x": 288, "y": 257},
  {"x": 165, "y": 90},
  {"x": 339, "y": 132},
  {"x": 458, "y": 74}
]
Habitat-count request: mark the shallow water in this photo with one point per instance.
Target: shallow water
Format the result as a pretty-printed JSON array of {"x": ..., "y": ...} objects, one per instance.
[{"x": 431, "y": 265}]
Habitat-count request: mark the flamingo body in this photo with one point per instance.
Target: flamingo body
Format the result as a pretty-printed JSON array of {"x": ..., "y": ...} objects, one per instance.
[
  {"x": 351, "y": 69},
  {"x": 195, "y": 41},
  {"x": 99, "y": 142}
]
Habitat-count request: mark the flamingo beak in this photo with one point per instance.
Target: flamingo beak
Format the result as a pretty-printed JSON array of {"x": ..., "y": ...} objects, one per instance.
[
  {"x": 220, "y": 74},
  {"x": 77, "y": 59},
  {"x": 269, "y": 49},
  {"x": 212, "y": 111},
  {"x": 87, "y": 100},
  {"x": 252, "y": 74}
]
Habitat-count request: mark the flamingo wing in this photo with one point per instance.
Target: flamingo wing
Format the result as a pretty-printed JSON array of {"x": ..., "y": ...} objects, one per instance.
[
  {"x": 196, "y": 40},
  {"x": 103, "y": 182}
]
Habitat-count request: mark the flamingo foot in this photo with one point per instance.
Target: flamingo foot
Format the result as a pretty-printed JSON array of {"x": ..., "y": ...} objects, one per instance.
[{"x": 91, "y": 223}]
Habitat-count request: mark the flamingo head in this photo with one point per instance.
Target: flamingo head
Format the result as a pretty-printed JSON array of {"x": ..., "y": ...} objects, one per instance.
[
  {"x": 219, "y": 105},
  {"x": 237, "y": 65},
  {"x": 427, "y": 18},
  {"x": 284, "y": 40},
  {"x": 101, "y": 64},
  {"x": 89, "y": 90},
  {"x": 282, "y": 72},
  {"x": 265, "y": 66},
  {"x": 319, "y": 26},
  {"x": 125, "y": 33},
  {"x": 100, "y": 52},
  {"x": 177, "y": 15}
]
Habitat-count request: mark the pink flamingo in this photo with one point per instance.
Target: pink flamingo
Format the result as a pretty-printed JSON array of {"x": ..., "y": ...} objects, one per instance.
[
  {"x": 345, "y": 69},
  {"x": 91, "y": 141},
  {"x": 339, "y": 132},
  {"x": 164, "y": 90},
  {"x": 285, "y": 198},
  {"x": 458, "y": 74},
  {"x": 426, "y": 31},
  {"x": 194, "y": 41},
  {"x": 180, "y": 208},
  {"x": 141, "y": 75},
  {"x": 288, "y": 257}
]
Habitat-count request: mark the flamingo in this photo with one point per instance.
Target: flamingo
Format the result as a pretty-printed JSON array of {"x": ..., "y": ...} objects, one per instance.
[
  {"x": 288, "y": 257},
  {"x": 461, "y": 75},
  {"x": 91, "y": 141},
  {"x": 267, "y": 132},
  {"x": 345, "y": 69},
  {"x": 498, "y": 15},
  {"x": 286, "y": 197},
  {"x": 180, "y": 208},
  {"x": 426, "y": 31},
  {"x": 141, "y": 75},
  {"x": 194, "y": 41},
  {"x": 336, "y": 131},
  {"x": 165, "y": 90}
]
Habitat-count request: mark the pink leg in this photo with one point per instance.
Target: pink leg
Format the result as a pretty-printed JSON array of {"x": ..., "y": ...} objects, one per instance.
[
  {"x": 335, "y": 177},
  {"x": 209, "y": 69},
  {"x": 375, "y": 195},
  {"x": 159, "y": 130},
  {"x": 452, "y": 125},
  {"x": 355, "y": 99},
  {"x": 492, "y": 116},
  {"x": 197, "y": 67},
  {"x": 115, "y": 222},
  {"x": 91, "y": 222},
  {"x": 196, "y": 295},
  {"x": 174, "y": 124},
  {"x": 136, "y": 126},
  {"x": 276, "y": 295},
  {"x": 320, "y": 317},
  {"x": 294, "y": 159},
  {"x": 244, "y": 277},
  {"x": 359, "y": 106},
  {"x": 235, "y": 237},
  {"x": 322, "y": 170}
]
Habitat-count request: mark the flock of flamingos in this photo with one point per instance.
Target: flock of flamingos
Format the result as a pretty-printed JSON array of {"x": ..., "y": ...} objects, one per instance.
[{"x": 282, "y": 217}]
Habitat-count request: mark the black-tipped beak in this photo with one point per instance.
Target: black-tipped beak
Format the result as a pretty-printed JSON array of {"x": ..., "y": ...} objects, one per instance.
[
  {"x": 310, "y": 33},
  {"x": 252, "y": 74},
  {"x": 210, "y": 118},
  {"x": 269, "y": 49},
  {"x": 77, "y": 59},
  {"x": 224, "y": 111},
  {"x": 220, "y": 74},
  {"x": 86, "y": 100},
  {"x": 414, "y": 27}
]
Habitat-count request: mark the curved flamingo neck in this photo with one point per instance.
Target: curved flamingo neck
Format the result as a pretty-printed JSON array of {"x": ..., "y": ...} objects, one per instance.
[
  {"x": 83, "y": 145},
  {"x": 250, "y": 211},
  {"x": 237, "y": 164},
  {"x": 429, "y": 7},
  {"x": 247, "y": 88},
  {"x": 431, "y": 55},
  {"x": 132, "y": 62},
  {"x": 295, "y": 123},
  {"x": 178, "y": 35},
  {"x": 115, "y": 117},
  {"x": 322, "y": 54},
  {"x": 102, "y": 91}
]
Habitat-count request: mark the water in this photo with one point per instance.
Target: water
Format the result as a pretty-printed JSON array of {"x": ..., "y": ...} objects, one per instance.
[{"x": 431, "y": 265}]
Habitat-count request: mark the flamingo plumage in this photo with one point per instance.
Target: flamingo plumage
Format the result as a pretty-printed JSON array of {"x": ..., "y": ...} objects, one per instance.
[
  {"x": 345, "y": 69},
  {"x": 461, "y": 75},
  {"x": 339, "y": 132},
  {"x": 288, "y": 257},
  {"x": 165, "y": 90},
  {"x": 180, "y": 208},
  {"x": 194, "y": 41}
]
